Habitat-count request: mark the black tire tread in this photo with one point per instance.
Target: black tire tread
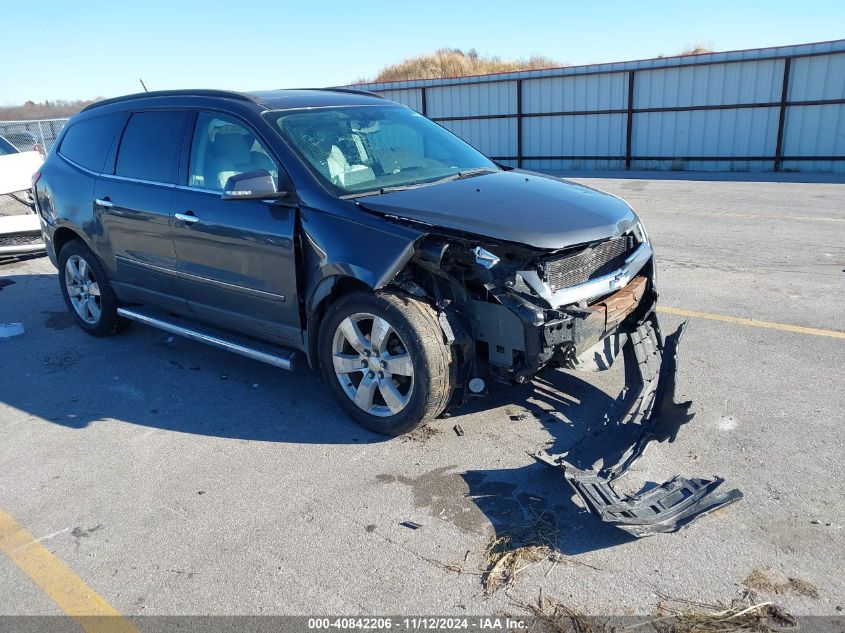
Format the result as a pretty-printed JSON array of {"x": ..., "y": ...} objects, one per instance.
[
  {"x": 439, "y": 355},
  {"x": 436, "y": 359}
]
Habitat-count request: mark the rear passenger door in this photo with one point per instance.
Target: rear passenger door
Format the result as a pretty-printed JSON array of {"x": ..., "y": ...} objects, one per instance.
[
  {"x": 236, "y": 257},
  {"x": 133, "y": 198}
]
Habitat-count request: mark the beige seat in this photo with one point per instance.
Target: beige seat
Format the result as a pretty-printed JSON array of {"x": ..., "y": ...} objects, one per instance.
[
  {"x": 344, "y": 174},
  {"x": 231, "y": 153}
]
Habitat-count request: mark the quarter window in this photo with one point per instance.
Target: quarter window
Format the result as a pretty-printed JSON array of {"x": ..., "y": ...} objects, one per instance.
[
  {"x": 223, "y": 148},
  {"x": 87, "y": 143},
  {"x": 149, "y": 149}
]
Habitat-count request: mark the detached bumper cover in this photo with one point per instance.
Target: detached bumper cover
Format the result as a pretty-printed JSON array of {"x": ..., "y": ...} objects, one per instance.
[{"x": 650, "y": 413}]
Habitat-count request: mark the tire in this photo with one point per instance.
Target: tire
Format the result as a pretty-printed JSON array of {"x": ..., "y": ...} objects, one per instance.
[
  {"x": 414, "y": 330},
  {"x": 94, "y": 304}
]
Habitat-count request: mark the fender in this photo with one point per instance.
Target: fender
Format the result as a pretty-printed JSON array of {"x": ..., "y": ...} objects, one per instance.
[{"x": 350, "y": 245}]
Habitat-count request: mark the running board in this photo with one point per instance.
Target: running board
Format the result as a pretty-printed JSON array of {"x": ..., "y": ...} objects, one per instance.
[{"x": 278, "y": 357}]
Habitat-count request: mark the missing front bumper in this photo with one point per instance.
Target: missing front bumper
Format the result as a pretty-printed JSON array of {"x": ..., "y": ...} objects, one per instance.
[{"x": 649, "y": 413}]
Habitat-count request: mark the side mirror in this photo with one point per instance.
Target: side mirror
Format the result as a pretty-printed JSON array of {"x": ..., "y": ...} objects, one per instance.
[{"x": 252, "y": 185}]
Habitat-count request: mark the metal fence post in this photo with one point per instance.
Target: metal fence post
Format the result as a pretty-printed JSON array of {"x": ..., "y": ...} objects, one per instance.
[
  {"x": 784, "y": 100},
  {"x": 629, "y": 127},
  {"x": 44, "y": 147}
]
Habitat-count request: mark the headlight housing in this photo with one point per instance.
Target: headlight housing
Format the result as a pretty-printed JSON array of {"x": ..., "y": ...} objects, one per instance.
[
  {"x": 641, "y": 234},
  {"x": 485, "y": 258}
]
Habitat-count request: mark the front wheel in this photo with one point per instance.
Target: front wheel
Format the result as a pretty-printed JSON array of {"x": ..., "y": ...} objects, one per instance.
[
  {"x": 385, "y": 359},
  {"x": 87, "y": 291}
]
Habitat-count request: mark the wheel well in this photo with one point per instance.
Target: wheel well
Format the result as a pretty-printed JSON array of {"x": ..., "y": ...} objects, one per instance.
[
  {"x": 340, "y": 288},
  {"x": 61, "y": 237}
]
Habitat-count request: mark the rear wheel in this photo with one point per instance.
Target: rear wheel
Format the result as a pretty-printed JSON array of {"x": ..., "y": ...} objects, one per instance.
[
  {"x": 87, "y": 291},
  {"x": 385, "y": 360}
]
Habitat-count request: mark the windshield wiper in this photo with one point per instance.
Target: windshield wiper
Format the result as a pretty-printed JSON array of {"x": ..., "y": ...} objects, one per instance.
[
  {"x": 469, "y": 173},
  {"x": 378, "y": 192}
]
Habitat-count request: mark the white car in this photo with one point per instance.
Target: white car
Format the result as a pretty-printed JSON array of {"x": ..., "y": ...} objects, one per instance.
[{"x": 20, "y": 229}]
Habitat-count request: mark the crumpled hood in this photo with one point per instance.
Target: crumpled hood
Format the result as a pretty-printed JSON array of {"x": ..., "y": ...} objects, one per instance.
[{"x": 516, "y": 206}]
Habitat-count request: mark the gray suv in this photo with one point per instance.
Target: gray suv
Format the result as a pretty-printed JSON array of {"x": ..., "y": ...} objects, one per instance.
[{"x": 409, "y": 269}]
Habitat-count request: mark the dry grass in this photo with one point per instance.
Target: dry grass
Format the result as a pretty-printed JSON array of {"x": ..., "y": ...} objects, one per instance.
[
  {"x": 685, "y": 617},
  {"x": 454, "y": 62},
  {"x": 503, "y": 561},
  {"x": 46, "y": 110},
  {"x": 764, "y": 617},
  {"x": 760, "y": 580},
  {"x": 559, "y": 618}
]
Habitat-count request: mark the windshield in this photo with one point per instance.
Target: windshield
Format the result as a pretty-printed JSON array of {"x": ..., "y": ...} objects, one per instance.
[{"x": 366, "y": 149}]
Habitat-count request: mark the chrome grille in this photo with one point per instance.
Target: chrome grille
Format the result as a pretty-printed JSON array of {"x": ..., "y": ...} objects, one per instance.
[
  {"x": 15, "y": 203},
  {"x": 590, "y": 263},
  {"x": 20, "y": 240}
]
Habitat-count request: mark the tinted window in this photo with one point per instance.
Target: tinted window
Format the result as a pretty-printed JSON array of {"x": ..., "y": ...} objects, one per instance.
[
  {"x": 88, "y": 142},
  {"x": 149, "y": 149},
  {"x": 223, "y": 148}
]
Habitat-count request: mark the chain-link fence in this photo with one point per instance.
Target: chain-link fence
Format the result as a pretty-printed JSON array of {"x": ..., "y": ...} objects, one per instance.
[{"x": 30, "y": 136}]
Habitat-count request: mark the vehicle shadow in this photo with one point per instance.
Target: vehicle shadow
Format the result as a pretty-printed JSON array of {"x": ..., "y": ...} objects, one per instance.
[
  {"x": 534, "y": 504},
  {"x": 148, "y": 378}
]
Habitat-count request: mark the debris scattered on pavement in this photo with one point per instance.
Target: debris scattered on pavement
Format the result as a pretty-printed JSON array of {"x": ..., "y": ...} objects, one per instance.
[
  {"x": 762, "y": 581},
  {"x": 459, "y": 431},
  {"x": 558, "y": 617},
  {"x": 421, "y": 434},
  {"x": 650, "y": 414},
  {"x": 763, "y": 617},
  {"x": 410, "y": 525},
  {"x": 517, "y": 417},
  {"x": 503, "y": 561},
  {"x": 8, "y": 330}
]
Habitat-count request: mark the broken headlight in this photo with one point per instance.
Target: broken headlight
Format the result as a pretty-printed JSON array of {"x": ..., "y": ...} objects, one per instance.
[{"x": 485, "y": 258}]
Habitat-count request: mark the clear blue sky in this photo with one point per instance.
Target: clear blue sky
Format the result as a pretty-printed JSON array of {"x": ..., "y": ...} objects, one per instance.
[{"x": 60, "y": 49}]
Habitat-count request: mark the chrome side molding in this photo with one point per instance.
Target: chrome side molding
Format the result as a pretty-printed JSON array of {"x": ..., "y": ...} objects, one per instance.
[{"x": 278, "y": 357}]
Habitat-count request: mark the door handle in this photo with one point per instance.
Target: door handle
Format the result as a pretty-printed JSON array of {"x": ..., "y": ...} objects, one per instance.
[
  {"x": 188, "y": 218},
  {"x": 106, "y": 203}
]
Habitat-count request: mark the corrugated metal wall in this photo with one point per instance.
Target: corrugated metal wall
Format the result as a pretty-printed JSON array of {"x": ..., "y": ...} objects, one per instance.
[{"x": 757, "y": 110}]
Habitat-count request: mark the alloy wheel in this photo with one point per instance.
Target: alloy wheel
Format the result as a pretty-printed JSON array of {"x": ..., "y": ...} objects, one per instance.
[
  {"x": 372, "y": 364},
  {"x": 83, "y": 289}
]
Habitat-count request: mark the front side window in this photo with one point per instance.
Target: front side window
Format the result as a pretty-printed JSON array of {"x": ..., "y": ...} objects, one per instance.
[
  {"x": 223, "y": 148},
  {"x": 88, "y": 142},
  {"x": 149, "y": 149},
  {"x": 360, "y": 149}
]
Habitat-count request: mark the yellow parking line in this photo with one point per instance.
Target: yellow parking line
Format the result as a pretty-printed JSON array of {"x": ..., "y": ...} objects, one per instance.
[
  {"x": 753, "y": 322},
  {"x": 59, "y": 582}
]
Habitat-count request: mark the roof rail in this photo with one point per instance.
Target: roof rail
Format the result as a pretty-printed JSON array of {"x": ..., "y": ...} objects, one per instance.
[
  {"x": 352, "y": 91},
  {"x": 228, "y": 94}
]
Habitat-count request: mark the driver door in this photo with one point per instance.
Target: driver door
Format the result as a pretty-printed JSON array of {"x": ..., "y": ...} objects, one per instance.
[{"x": 236, "y": 261}]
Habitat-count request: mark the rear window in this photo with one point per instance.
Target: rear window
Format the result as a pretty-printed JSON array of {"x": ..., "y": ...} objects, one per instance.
[
  {"x": 149, "y": 149},
  {"x": 87, "y": 143}
]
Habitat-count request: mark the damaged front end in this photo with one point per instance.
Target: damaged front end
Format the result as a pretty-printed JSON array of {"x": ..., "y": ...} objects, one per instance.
[
  {"x": 650, "y": 414},
  {"x": 513, "y": 311}
]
